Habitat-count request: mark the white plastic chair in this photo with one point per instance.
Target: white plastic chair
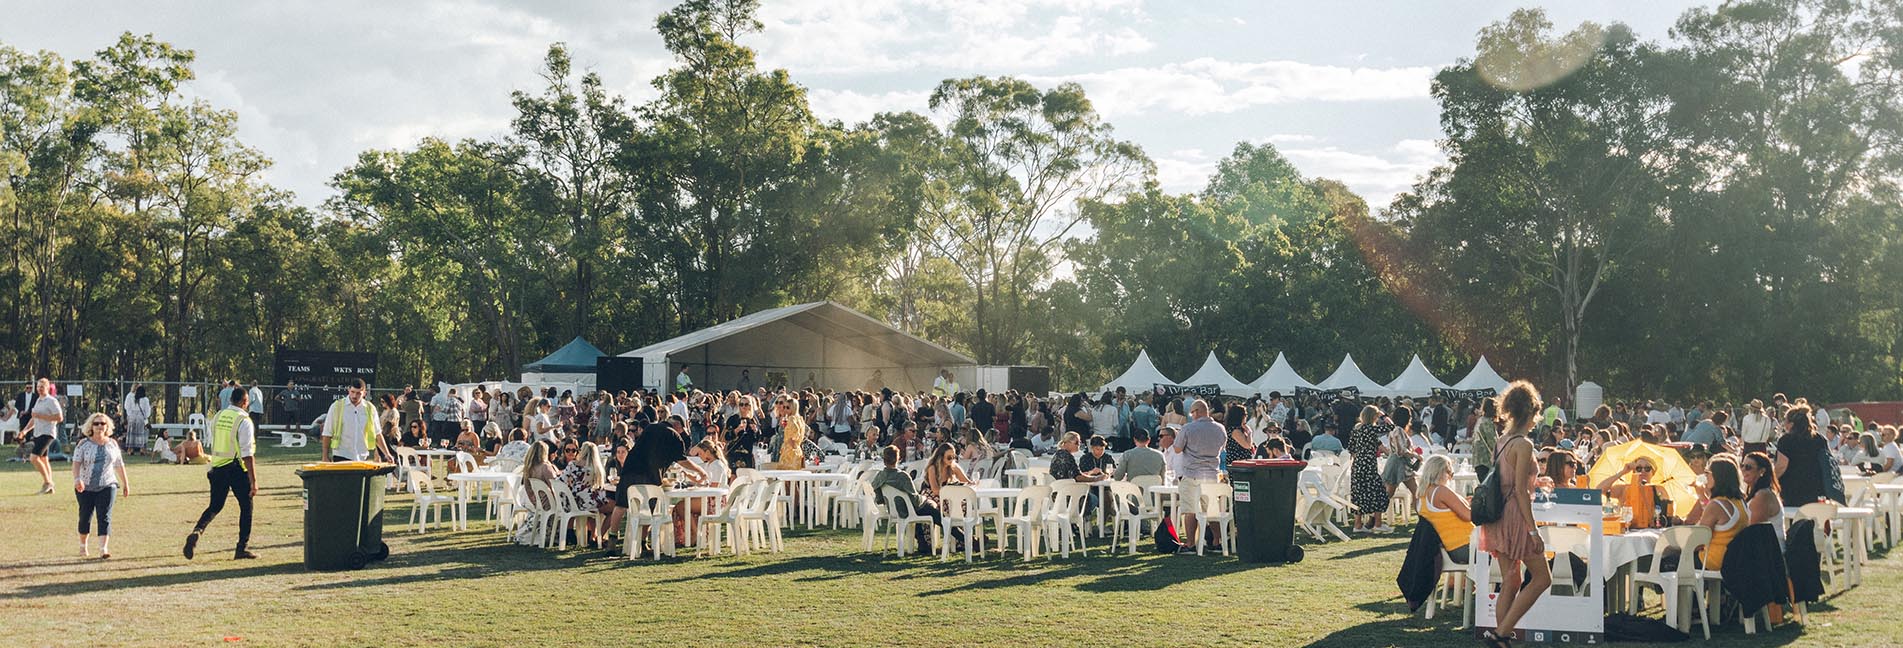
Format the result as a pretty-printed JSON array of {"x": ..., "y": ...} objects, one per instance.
[
  {"x": 903, "y": 516},
  {"x": 1317, "y": 507},
  {"x": 568, "y": 512},
  {"x": 649, "y": 513},
  {"x": 1833, "y": 550},
  {"x": 761, "y": 517},
  {"x": 1133, "y": 509},
  {"x": 1030, "y": 505},
  {"x": 739, "y": 499},
  {"x": 1563, "y": 541},
  {"x": 429, "y": 505},
  {"x": 1673, "y": 585},
  {"x": 1452, "y": 588},
  {"x": 1065, "y": 518},
  {"x": 959, "y": 510},
  {"x": 1218, "y": 508}
]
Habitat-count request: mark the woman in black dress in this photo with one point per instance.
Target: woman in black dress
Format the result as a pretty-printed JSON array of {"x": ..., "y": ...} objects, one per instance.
[
  {"x": 1800, "y": 463},
  {"x": 1368, "y": 493},
  {"x": 742, "y": 432}
]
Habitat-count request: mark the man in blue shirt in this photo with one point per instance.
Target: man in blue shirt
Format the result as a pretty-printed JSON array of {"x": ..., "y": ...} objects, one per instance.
[
  {"x": 1708, "y": 433},
  {"x": 1144, "y": 417},
  {"x": 1327, "y": 442}
]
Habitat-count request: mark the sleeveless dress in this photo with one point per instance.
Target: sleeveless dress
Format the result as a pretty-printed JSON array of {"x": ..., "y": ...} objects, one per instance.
[{"x": 1513, "y": 537}]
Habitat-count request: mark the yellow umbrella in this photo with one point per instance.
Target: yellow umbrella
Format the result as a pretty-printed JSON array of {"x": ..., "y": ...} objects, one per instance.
[{"x": 1672, "y": 473}]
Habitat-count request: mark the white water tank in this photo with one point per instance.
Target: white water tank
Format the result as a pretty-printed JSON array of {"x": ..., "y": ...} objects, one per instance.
[{"x": 1587, "y": 398}]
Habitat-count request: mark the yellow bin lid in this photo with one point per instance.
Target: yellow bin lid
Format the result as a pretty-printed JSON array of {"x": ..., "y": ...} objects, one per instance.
[{"x": 345, "y": 465}]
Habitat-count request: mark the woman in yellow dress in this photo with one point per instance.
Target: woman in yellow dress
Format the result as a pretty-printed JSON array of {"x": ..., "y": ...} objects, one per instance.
[{"x": 792, "y": 435}]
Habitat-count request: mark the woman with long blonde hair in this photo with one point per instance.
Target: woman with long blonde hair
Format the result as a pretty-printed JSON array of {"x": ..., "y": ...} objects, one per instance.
[{"x": 792, "y": 434}]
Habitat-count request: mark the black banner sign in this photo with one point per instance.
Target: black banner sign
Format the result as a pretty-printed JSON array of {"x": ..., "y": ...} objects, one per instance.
[
  {"x": 1205, "y": 391},
  {"x": 1353, "y": 393},
  {"x": 1463, "y": 394}
]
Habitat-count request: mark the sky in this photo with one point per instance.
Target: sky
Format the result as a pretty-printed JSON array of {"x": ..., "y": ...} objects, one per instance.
[{"x": 1341, "y": 88}]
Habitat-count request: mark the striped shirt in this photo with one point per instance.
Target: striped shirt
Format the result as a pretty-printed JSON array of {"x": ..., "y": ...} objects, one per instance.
[{"x": 95, "y": 466}]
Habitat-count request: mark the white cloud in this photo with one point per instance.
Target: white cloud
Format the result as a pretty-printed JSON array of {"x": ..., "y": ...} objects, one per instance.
[
  {"x": 1377, "y": 176},
  {"x": 1207, "y": 85},
  {"x": 854, "y": 107},
  {"x": 1290, "y": 138},
  {"x": 1179, "y": 173},
  {"x": 863, "y": 36}
]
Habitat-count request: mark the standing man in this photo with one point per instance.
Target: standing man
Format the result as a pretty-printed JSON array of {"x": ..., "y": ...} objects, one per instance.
[
  {"x": 440, "y": 407},
  {"x": 682, "y": 383},
  {"x": 1200, "y": 443},
  {"x": 408, "y": 407},
  {"x": 350, "y": 427},
  {"x": 256, "y": 397},
  {"x": 944, "y": 385},
  {"x": 746, "y": 381},
  {"x": 289, "y": 400},
  {"x": 1144, "y": 418},
  {"x": 234, "y": 471}
]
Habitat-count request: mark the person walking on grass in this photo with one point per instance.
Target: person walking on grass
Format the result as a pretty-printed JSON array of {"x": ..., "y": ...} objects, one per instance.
[
  {"x": 350, "y": 432},
  {"x": 234, "y": 472},
  {"x": 47, "y": 415},
  {"x": 99, "y": 477},
  {"x": 1512, "y": 539}
]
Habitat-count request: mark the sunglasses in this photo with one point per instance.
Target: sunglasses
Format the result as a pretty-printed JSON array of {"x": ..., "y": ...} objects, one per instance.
[
  {"x": 1643, "y": 469},
  {"x": 98, "y": 424},
  {"x": 571, "y": 450}
]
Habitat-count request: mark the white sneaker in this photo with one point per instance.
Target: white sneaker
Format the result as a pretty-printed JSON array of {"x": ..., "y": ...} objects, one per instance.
[{"x": 1384, "y": 529}]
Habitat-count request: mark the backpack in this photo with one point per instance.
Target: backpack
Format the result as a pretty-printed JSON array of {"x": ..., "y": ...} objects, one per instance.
[{"x": 1489, "y": 503}]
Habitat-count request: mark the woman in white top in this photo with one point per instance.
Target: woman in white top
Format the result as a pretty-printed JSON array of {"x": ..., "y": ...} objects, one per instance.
[
  {"x": 540, "y": 426},
  {"x": 1762, "y": 503},
  {"x": 138, "y": 411},
  {"x": 47, "y": 415},
  {"x": 99, "y": 476},
  {"x": 1104, "y": 417}
]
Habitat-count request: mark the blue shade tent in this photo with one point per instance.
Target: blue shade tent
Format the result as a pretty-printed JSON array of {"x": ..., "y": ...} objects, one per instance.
[{"x": 578, "y": 356}]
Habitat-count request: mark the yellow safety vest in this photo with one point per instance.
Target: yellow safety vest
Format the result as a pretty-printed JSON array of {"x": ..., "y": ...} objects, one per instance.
[
  {"x": 224, "y": 436},
  {"x": 334, "y": 422}
]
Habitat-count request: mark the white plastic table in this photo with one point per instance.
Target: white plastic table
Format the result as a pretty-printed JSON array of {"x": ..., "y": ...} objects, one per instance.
[
  {"x": 808, "y": 483},
  {"x": 1890, "y": 505},
  {"x": 429, "y": 466},
  {"x": 709, "y": 493},
  {"x": 462, "y": 480}
]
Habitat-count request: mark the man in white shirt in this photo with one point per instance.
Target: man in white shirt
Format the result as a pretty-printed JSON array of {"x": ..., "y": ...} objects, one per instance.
[
  {"x": 1656, "y": 415},
  {"x": 440, "y": 407},
  {"x": 677, "y": 405},
  {"x": 681, "y": 382},
  {"x": 350, "y": 428},
  {"x": 1756, "y": 429},
  {"x": 257, "y": 401},
  {"x": 944, "y": 385}
]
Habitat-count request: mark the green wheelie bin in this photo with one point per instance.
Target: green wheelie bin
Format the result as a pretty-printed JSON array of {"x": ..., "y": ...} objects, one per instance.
[
  {"x": 1265, "y": 509},
  {"x": 343, "y": 514}
]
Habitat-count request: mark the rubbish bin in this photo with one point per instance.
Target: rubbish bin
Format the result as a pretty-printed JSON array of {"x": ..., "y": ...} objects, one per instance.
[
  {"x": 343, "y": 514},
  {"x": 1265, "y": 509}
]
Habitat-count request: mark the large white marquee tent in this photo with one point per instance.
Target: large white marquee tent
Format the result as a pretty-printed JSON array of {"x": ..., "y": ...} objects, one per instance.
[
  {"x": 1416, "y": 381},
  {"x": 1140, "y": 377},
  {"x": 1349, "y": 375},
  {"x": 1212, "y": 373},
  {"x": 1482, "y": 377},
  {"x": 821, "y": 343},
  {"x": 1280, "y": 378}
]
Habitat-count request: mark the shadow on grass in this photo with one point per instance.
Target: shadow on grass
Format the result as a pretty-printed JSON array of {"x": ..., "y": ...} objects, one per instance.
[
  {"x": 186, "y": 577},
  {"x": 505, "y": 560},
  {"x": 1400, "y": 545}
]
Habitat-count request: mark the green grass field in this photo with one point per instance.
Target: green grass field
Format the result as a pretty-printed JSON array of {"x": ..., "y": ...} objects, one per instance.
[{"x": 474, "y": 588}]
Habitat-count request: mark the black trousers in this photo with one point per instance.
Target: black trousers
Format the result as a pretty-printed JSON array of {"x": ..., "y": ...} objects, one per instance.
[
  {"x": 229, "y": 479},
  {"x": 96, "y": 505}
]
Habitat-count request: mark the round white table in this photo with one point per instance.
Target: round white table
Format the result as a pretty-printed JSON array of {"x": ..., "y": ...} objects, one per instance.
[
  {"x": 808, "y": 483},
  {"x": 463, "y": 480}
]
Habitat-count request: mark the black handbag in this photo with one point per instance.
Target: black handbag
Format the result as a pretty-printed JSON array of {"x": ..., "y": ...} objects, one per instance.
[{"x": 1489, "y": 503}]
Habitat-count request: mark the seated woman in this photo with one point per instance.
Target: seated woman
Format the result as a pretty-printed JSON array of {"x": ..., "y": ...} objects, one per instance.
[
  {"x": 415, "y": 437},
  {"x": 1446, "y": 509},
  {"x": 1722, "y": 510},
  {"x": 468, "y": 442},
  {"x": 976, "y": 448},
  {"x": 1648, "y": 503},
  {"x": 587, "y": 480},
  {"x": 1562, "y": 471},
  {"x": 536, "y": 468}
]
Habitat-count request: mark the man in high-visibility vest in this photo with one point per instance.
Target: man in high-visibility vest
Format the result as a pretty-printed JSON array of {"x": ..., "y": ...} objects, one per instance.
[
  {"x": 350, "y": 429},
  {"x": 230, "y": 445}
]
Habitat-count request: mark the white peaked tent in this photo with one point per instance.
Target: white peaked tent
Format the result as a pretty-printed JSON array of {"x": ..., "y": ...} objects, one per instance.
[
  {"x": 1482, "y": 377},
  {"x": 1349, "y": 375},
  {"x": 1212, "y": 373},
  {"x": 1280, "y": 378},
  {"x": 1416, "y": 381},
  {"x": 1140, "y": 377}
]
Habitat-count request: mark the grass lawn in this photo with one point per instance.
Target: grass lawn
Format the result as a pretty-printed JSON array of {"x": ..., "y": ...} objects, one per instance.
[{"x": 474, "y": 588}]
